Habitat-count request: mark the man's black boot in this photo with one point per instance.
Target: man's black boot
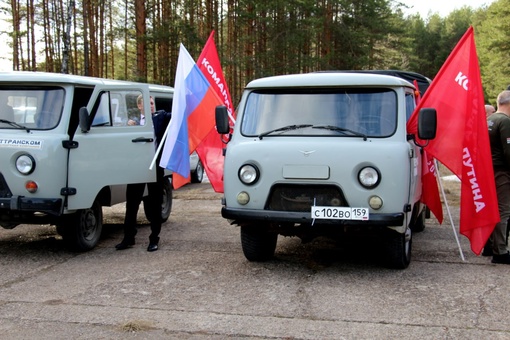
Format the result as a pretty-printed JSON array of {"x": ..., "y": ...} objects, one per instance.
[
  {"x": 153, "y": 244},
  {"x": 126, "y": 243},
  {"x": 503, "y": 259}
]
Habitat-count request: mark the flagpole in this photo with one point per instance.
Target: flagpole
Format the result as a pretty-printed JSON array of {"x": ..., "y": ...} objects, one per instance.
[
  {"x": 448, "y": 210},
  {"x": 160, "y": 146}
]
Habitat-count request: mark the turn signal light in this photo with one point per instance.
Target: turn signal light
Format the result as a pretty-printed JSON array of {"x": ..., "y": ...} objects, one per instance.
[{"x": 31, "y": 186}]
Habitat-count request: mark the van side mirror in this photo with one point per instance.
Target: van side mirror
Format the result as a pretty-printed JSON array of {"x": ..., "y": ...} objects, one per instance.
[
  {"x": 427, "y": 124},
  {"x": 84, "y": 119},
  {"x": 222, "y": 124}
]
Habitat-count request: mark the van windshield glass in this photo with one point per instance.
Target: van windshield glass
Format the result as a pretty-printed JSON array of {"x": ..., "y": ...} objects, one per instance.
[
  {"x": 321, "y": 112},
  {"x": 33, "y": 108}
]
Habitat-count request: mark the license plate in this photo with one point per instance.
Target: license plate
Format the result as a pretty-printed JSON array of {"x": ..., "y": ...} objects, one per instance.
[{"x": 339, "y": 213}]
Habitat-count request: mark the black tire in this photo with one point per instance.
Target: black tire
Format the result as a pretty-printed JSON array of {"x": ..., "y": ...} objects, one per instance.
[
  {"x": 198, "y": 175},
  {"x": 258, "y": 244},
  {"x": 398, "y": 249},
  {"x": 166, "y": 206},
  {"x": 419, "y": 225},
  {"x": 61, "y": 229},
  {"x": 81, "y": 230}
]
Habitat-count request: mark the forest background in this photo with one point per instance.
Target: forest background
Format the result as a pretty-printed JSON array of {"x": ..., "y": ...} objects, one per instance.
[{"x": 139, "y": 39}]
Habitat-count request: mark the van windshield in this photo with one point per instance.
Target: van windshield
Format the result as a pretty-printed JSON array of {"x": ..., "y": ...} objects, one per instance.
[
  {"x": 34, "y": 108},
  {"x": 320, "y": 112}
]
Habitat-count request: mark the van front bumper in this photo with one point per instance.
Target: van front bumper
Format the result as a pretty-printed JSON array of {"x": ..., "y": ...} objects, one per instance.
[
  {"x": 247, "y": 215},
  {"x": 51, "y": 206}
]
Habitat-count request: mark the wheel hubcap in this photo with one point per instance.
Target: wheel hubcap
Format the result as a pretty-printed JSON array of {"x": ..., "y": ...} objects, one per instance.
[{"x": 89, "y": 225}]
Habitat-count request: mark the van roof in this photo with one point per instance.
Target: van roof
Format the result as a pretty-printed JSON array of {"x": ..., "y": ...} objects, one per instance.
[
  {"x": 423, "y": 82},
  {"x": 47, "y": 77},
  {"x": 329, "y": 79}
]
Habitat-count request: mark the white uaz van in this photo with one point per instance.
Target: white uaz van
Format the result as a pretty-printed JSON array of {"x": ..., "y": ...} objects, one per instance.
[
  {"x": 66, "y": 150},
  {"x": 325, "y": 154}
]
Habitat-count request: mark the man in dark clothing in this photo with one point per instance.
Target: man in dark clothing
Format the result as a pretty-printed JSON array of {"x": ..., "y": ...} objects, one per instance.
[
  {"x": 134, "y": 192},
  {"x": 499, "y": 137}
]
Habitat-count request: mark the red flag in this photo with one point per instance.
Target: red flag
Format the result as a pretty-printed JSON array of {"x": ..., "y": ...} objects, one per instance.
[
  {"x": 430, "y": 193},
  {"x": 462, "y": 142},
  {"x": 210, "y": 150}
]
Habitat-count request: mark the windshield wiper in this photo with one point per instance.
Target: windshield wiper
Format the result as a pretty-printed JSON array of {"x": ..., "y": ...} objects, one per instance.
[
  {"x": 285, "y": 128},
  {"x": 13, "y": 124},
  {"x": 340, "y": 129}
]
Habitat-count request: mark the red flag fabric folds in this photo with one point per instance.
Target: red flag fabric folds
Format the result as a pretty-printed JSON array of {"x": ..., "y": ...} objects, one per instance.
[
  {"x": 462, "y": 142},
  {"x": 430, "y": 192},
  {"x": 210, "y": 150}
]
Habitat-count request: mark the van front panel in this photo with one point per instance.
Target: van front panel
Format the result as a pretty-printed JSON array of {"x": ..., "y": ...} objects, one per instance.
[
  {"x": 30, "y": 130},
  {"x": 306, "y": 170}
]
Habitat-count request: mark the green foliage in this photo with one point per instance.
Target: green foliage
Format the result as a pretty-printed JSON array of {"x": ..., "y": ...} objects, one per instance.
[
  {"x": 492, "y": 27},
  {"x": 267, "y": 37}
]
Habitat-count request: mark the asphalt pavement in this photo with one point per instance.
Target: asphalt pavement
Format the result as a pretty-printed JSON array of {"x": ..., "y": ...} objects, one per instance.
[{"x": 198, "y": 285}]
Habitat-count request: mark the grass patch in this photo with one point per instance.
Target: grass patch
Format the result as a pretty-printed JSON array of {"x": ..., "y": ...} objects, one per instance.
[{"x": 137, "y": 326}]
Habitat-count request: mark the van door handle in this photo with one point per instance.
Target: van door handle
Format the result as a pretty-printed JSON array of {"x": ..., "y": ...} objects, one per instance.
[{"x": 143, "y": 140}]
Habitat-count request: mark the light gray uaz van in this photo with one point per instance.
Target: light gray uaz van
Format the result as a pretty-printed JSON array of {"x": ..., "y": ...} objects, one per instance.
[
  {"x": 66, "y": 150},
  {"x": 325, "y": 154}
]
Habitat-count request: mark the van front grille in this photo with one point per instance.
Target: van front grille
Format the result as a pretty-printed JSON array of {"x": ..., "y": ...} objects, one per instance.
[{"x": 301, "y": 198}]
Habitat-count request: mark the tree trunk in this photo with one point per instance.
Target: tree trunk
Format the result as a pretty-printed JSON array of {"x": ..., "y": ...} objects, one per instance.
[
  {"x": 141, "y": 58},
  {"x": 16, "y": 35},
  {"x": 67, "y": 39},
  {"x": 126, "y": 35}
]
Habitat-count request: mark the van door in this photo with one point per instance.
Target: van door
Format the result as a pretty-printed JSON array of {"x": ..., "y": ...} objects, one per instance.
[{"x": 111, "y": 152}]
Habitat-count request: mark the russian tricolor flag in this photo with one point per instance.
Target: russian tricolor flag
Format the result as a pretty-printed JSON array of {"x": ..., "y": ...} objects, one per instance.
[{"x": 193, "y": 105}]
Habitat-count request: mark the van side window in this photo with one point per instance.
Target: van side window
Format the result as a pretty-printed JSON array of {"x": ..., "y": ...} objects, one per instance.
[
  {"x": 132, "y": 111},
  {"x": 163, "y": 104},
  {"x": 116, "y": 107},
  {"x": 102, "y": 116},
  {"x": 410, "y": 105},
  {"x": 81, "y": 98}
]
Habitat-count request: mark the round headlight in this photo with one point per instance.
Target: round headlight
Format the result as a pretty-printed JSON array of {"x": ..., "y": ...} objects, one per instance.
[
  {"x": 248, "y": 174},
  {"x": 25, "y": 164},
  {"x": 369, "y": 177}
]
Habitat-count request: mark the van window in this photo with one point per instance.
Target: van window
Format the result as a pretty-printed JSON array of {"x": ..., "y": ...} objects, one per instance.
[
  {"x": 116, "y": 107},
  {"x": 372, "y": 112},
  {"x": 102, "y": 116},
  {"x": 410, "y": 105},
  {"x": 37, "y": 108},
  {"x": 163, "y": 103}
]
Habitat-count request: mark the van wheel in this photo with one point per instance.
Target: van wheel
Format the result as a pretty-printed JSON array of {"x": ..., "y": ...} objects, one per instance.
[
  {"x": 258, "y": 244},
  {"x": 198, "y": 175},
  {"x": 419, "y": 225},
  {"x": 166, "y": 206},
  {"x": 61, "y": 229},
  {"x": 81, "y": 230},
  {"x": 398, "y": 249}
]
